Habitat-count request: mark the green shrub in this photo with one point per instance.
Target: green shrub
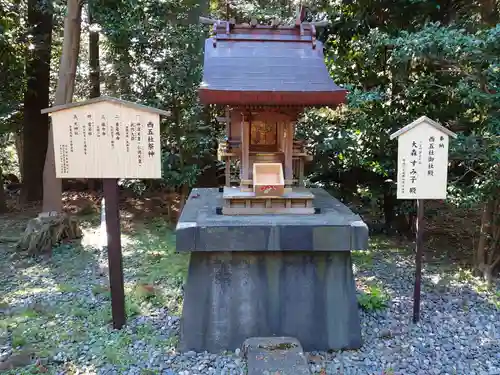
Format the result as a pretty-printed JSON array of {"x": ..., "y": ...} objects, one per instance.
[{"x": 373, "y": 299}]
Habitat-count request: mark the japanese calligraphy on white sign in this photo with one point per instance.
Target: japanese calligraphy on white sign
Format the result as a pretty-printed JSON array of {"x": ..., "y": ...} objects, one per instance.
[
  {"x": 422, "y": 160},
  {"x": 107, "y": 139}
]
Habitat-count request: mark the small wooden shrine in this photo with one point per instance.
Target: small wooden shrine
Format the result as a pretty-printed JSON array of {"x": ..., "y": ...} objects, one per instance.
[{"x": 265, "y": 76}]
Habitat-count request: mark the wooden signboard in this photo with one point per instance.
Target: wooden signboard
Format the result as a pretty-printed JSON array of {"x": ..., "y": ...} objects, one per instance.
[
  {"x": 106, "y": 138},
  {"x": 422, "y": 174},
  {"x": 422, "y": 160}
]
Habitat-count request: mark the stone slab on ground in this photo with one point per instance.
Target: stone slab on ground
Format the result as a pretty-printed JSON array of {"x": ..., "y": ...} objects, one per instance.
[
  {"x": 275, "y": 356},
  {"x": 335, "y": 228}
]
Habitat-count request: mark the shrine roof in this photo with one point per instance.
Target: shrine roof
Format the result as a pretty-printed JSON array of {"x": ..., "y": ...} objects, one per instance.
[{"x": 266, "y": 66}]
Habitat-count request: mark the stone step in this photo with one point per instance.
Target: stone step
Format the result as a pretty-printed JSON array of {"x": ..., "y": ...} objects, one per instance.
[{"x": 275, "y": 356}]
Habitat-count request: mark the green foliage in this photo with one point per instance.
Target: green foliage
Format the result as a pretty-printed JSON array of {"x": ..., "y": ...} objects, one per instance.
[
  {"x": 400, "y": 61},
  {"x": 12, "y": 50},
  {"x": 460, "y": 70},
  {"x": 373, "y": 299},
  {"x": 78, "y": 325},
  {"x": 18, "y": 340},
  {"x": 160, "y": 262},
  {"x": 28, "y": 370},
  {"x": 362, "y": 258},
  {"x": 12, "y": 46},
  {"x": 245, "y": 10},
  {"x": 157, "y": 60},
  {"x": 100, "y": 289},
  {"x": 8, "y": 157},
  {"x": 496, "y": 300}
]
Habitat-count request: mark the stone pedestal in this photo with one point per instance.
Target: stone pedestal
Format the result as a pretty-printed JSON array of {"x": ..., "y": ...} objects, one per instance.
[{"x": 269, "y": 275}]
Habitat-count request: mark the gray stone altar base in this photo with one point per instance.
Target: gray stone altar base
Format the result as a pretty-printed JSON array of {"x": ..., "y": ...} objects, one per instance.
[{"x": 269, "y": 275}]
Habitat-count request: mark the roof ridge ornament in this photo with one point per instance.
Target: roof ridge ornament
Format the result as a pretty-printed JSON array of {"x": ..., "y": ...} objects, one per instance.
[
  {"x": 266, "y": 65},
  {"x": 278, "y": 24},
  {"x": 214, "y": 37}
]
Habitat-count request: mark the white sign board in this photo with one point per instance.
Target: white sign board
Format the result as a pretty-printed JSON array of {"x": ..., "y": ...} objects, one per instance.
[
  {"x": 106, "y": 139},
  {"x": 422, "y": 160}
]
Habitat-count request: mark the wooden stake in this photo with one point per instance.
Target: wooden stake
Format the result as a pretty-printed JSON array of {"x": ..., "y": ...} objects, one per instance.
[
  {"x": 114, "y": 252},
  {"x": 418, "y": 260}
]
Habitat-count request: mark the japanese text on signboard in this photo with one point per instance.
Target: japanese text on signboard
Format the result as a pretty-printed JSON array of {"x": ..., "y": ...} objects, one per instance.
[
  {"x": 106, "y": 140},
  {"x": 422, "y": 163}
]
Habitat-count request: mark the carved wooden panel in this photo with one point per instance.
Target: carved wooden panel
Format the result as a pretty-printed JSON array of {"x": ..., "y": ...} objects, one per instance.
[{"x": 263, "y": 136}]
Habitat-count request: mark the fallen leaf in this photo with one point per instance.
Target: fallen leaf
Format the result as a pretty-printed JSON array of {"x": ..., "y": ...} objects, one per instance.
[
  {"x": 42, "y": 368},
  {"x": 148, "y": 287},
  {"x": 315, "y": 358}
]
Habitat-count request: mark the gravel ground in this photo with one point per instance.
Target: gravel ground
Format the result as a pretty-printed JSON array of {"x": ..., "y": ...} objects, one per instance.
[
  {"x": 458, "y": 333},
  {"x": 56, "y": 313}
]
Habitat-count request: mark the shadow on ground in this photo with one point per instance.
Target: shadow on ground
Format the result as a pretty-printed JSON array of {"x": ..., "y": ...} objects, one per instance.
[{"x": 55, "y": 312}]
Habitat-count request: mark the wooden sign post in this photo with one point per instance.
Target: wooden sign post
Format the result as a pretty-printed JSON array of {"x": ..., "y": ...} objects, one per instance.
[
  {"x": 422, "y": 174},
  {"x": 108, "y": 138}
]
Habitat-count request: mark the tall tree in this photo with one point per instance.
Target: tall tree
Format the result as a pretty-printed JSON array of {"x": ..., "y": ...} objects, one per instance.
[
  {"x": 52, "y": 188},
  {"x": 36, "y": 97},
  {"x": 3, "y": 203},
  {"x": 489, "y": 12},
  {"x": 95, "y": 74}
]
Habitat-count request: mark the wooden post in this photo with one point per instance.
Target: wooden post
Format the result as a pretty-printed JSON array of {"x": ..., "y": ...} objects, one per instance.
[
  {"x": 228, "y": 123},
  {"x": 418, "y": 142},
  {"x": 114, "y": 252},
  {"x": 418, "y": 259},
  {"x": 79, "y": 157},
  {"x": 228, "y": 171},
  {"x": 280, "y": 131},
  {"x": 103, "y": 238},
  {"x": 288, "y": 151},
  {"x": 245, "y": 140},
  {"x": 301, "y": 171}
]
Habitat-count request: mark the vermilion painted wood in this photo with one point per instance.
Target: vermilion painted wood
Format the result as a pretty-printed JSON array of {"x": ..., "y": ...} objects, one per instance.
[{"x": 306, "y": 99}]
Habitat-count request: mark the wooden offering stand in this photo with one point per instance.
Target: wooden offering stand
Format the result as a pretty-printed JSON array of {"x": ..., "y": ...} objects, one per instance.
[{"x": 268, "y": 180}]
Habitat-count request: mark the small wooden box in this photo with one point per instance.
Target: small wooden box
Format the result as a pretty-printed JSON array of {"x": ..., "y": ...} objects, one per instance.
[{"x": 268, "y": 179}]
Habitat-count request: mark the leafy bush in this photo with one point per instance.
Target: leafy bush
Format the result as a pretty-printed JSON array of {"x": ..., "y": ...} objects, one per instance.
[{"x": 373, "y": 299}]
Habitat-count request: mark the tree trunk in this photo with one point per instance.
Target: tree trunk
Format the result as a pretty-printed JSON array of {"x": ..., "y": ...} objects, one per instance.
[
  {"x": 389, "y": 203},
  {"x": 3, "y": 204},
  {"x": 480, "y": 254},
  {"x": 494, "y": 254},
  {"x": 36, "y": 97},
  {"x": 95, "y": 78},
  {"x": 125, "y": 72},
  {"x": 184, "y": 196},
  {"x": 95, "y": 81},
  {"x": 52, "y": 187},
  {"x": 489, "y": 12},
  {"x": 18, "y": 139},
  {"x": 486, "y": 255}
]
